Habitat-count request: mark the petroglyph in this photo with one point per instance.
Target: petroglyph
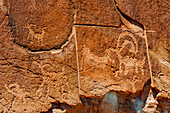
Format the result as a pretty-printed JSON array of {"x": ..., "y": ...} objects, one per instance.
[
  {"x": 38, "y": 36},
  {"x": 20, "y": 94},
  {"x": 61, "y": 54},
  {"x": 123, "y": 41},
  {"x": 118, "y": 55},
  {"x": 125, "y": 63},
  {"x": 43, "y": 90},
  {"x": 43, "y": 29}
]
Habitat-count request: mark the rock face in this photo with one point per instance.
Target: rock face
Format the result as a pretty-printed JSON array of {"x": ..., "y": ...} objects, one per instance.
[
  {"x": 31, "y": 75},
  {"x": 81, "y": 56},
  {"x": 155, "y": 16},
  {"x": 34, "y": 22},
  {"x": 117, "y": 60}
]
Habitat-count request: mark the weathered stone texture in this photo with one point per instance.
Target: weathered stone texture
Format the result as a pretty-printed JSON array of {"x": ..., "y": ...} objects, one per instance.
[
  {"x": 154, "y": 14},
  {"x": 30, "y": 81},
  {"x": 115, "y": 58},
  {"x": 96, "y": 12},
  {"x": 34, "y": 22},
  {"x": 48, "y": 47}
]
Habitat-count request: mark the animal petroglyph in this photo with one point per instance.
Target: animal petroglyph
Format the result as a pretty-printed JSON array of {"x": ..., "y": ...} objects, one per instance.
[
  {"x": 123, "y": 41},
  {"x": 124, "y": 63},
  {"x": 41, "y": 29}
]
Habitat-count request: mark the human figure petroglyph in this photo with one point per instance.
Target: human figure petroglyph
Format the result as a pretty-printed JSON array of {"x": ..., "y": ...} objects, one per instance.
[
  {"x": 49, "y": 33},
  {"x": 48, "y": 87},
  {"x": 42, "y": 87},
  {"x": 19, "y": 94}
]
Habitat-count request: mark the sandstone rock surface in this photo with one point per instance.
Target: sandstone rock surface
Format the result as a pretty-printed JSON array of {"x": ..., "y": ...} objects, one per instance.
[
  {"x": 155, "y": 16},
  {"x": 80, "y": 56}
]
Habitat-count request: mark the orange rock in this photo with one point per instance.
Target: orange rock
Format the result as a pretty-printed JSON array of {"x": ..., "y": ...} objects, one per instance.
[{"x": 54, "y": 51}]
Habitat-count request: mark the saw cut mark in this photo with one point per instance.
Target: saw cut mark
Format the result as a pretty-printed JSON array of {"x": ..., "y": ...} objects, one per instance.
[{"x": 77, "y": 61}]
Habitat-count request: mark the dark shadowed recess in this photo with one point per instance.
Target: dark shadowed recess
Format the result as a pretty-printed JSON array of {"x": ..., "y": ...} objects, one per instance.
[
  {"x": 164, "y": 105},
  {"x": 163, "y": 102},
  {"x": 112, "y": 102},
  {"x": 131, "y": 20},
  {"x": 155, "y": 92}
]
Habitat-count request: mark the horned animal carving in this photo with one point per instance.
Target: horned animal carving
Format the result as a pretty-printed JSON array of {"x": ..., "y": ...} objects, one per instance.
[{"x": 123, "y": 59}]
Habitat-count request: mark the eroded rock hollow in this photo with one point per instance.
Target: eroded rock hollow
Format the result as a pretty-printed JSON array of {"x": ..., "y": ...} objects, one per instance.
[{"x": 84, "y": 56}]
